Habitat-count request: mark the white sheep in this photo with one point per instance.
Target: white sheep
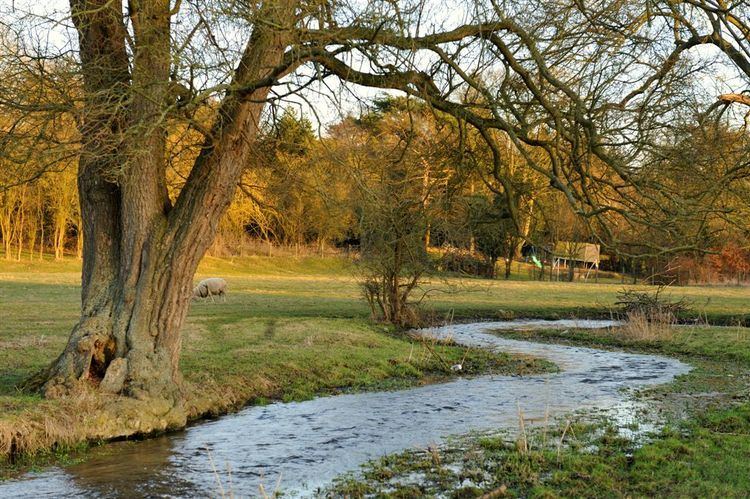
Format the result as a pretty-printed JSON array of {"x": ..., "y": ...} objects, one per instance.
[{"x": 207, "y": 288}]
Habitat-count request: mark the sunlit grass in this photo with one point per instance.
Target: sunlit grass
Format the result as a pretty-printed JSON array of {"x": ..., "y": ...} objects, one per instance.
[
  {"x": 327, "y": 287},
  {"x": 702, "y": 452},
  {"x": 39, "y": 306}
]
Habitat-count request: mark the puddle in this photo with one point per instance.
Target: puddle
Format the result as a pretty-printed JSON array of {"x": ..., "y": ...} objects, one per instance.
[{"x": 303, "y": 446}]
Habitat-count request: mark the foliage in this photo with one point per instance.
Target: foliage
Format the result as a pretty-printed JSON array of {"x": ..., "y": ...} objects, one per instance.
[
  {"x": 494, "y": 230},
  {"x": 732, "y": 262},
  {"x": 393, "y": 258}
]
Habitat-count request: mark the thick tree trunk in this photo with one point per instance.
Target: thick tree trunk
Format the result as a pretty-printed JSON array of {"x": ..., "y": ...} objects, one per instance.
[{"x": 140, "y": 253}]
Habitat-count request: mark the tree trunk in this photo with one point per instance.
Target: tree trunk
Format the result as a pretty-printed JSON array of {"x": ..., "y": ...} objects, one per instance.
[
  {"x": 525, "y": 229},
  {"x": 20, "y": 222},
  {"x": 426, "y": 180},
  {"x": 41, "y": 239},
  {"x": 33, "y": 227},
  {"x": 8, "y": 225},
  {"x": 139, "y": 252},
  {"x": 8, "y": 241},
  {"x": 571, "y": 270},
  {"x": 59, "y": 241},
  {"x": 510, "y": 251},
  {"x": 79, "y": 238},
  {"x": 492, "y": 268}
]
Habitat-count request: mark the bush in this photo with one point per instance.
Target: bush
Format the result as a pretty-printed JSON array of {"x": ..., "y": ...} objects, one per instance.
[
  {"x": 464, "y": 262},
  {"x": 653, "y": 307}
]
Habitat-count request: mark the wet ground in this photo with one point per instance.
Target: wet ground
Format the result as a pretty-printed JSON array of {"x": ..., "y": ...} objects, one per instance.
[{"x": 300, "y": 447}]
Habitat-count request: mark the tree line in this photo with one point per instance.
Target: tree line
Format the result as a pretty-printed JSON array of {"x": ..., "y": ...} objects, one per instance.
[
  {"x": 328, "y": 190},
  {"x": 41, "y": 218}
]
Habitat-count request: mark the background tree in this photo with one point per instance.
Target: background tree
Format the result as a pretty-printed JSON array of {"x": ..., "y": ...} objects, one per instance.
[
  {"x": 385, "y": 152},
  {"x": 494, "y": 231}
]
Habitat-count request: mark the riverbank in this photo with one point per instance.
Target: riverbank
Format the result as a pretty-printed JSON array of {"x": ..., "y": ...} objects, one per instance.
[
  {"x": 228, "y": 364},
  {"x": 298, "y": 448},
  {"x": 702, "y": 451}
]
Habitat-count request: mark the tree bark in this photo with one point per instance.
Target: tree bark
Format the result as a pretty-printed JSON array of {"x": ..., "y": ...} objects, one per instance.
[{"x": 20, "y": 222}]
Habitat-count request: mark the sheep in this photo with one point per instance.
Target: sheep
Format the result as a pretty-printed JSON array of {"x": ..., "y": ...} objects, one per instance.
[{"x": 207, "y": 288}]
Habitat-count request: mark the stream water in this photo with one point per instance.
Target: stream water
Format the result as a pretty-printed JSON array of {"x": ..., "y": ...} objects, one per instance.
[{"x": 300, "y": 447}]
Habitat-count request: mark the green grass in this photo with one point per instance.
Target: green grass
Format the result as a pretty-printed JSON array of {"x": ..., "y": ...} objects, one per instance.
[
  {"x": 295, "y": 359},
  {"x": 724, "y": 343},
  {"x": 40, "y": 302},
  {"x": 295, "y": 328},
  {"x": 278, "y": 286},
  {"x": 702, "y": 458},
  {"x": 289, "y": 330}
]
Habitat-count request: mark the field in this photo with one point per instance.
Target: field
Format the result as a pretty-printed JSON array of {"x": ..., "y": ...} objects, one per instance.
[
  {"x": 289, "y": 330},
  {"x": 292, "y": 329}
]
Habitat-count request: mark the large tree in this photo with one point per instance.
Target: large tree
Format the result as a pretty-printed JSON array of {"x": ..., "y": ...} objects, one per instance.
[
  {"x": 590, "y": 88},
  {"x": 141, "y": 249}
]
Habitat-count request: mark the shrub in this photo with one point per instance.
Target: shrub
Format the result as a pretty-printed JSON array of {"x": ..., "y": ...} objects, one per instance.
[
  {"x": 464, "y": 262},
  {"x": 649, "y": 316}
]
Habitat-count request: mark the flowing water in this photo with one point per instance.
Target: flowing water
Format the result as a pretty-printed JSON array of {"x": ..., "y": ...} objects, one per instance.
[{"x": 303, "y": 446}]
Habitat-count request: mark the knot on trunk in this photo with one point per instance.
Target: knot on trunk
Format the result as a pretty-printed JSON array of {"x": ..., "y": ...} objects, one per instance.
[
  {"x": 99, "y": 346},
  {"x": 91, "y": 349},
  {"x": 114, "y": 378}
]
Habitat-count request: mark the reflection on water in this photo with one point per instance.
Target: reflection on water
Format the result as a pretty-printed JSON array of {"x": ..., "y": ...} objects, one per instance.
[{"x": 304, "y": 445}]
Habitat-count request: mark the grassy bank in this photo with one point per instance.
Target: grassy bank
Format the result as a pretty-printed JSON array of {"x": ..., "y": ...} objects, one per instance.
[
  {"x": 703, "y": 452},
  {"x": 227, "y": 364},
  {"x": 276, "y": 338},
  {"x": 703, "y": 457}
]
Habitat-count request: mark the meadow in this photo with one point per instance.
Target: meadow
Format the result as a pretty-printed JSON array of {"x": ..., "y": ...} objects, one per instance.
[{"x": 290, "y": 329}]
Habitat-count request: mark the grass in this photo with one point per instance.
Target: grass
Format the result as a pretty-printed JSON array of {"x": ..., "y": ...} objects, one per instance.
[
  {"x": 296, "y": 328},
  {"x": 703, "y": 452},
  {"x": 296, "y": 359},
  {"x": 280, "y": 286},
  {"x": 281, "y": 335},
  {"x": 724, "y": 344},
  {"x": 702, "y": 458}
]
